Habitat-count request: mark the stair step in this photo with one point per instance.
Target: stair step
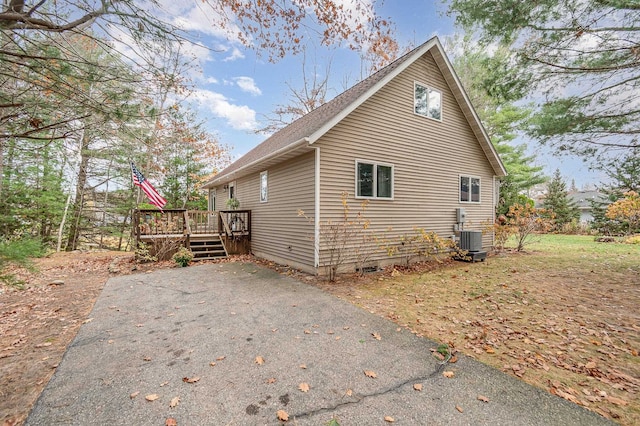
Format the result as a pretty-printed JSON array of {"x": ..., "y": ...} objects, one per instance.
[
  {"x": 219, "y": 252},
  {"x": 207, "y": 248}
]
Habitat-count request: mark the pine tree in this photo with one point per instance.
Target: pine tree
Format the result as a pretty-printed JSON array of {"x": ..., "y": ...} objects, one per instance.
[
  {"x": 623, "y": 175},
  {"x": 557, "y": 201}
]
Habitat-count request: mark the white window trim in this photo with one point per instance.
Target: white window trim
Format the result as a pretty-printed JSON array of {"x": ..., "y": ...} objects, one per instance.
[
  {"x": 460, "y": 176},
  {"x": 375, "y": 180},
  {"x": 435, "y": 90},
  {"x": 266, "y": 197},
  {"x": 231, "y": 185},
  {"x": 212, "y": 199}
]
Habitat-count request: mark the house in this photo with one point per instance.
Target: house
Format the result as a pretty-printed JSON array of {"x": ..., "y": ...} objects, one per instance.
[
  {"x": 584, "y": 199},
  {"x": 406, "y": 139}
]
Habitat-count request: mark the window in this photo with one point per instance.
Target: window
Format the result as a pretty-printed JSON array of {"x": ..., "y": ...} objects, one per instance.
[
  {"x": 212, "y": 200},
  {"x": 469, "y": 189},
  {"x": 428, "y": 102},
  {"x": 263, "y": 187},
  {"x": 232, "y": 190},
  {"x": 374, "y": 180}
]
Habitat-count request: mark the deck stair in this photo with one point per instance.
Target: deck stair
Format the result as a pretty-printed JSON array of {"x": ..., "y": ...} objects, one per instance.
[{"x": 207, "y": 247}]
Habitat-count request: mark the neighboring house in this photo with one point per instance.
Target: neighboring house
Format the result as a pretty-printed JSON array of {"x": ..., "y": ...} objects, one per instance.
[
  {"x": 406, "y": 138},
  {"x": 583, "y": 199}
]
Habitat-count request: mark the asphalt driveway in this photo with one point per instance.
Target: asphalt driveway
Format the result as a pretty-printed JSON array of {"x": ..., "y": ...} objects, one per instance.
[{"x": 231, "y": 344}]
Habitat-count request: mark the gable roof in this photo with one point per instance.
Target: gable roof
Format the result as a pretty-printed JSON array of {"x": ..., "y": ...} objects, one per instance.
[{"x": 295, "y": 138}]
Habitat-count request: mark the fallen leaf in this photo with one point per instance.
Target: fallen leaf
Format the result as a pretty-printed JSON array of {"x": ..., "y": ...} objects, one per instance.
[
  {"x": 164, "y": 384},
  {"x": 417, "y": 386},
  {"x": 220, "y": 358},
  {"x": 307, "y": 332},
  {"x": 376, "y": 336},
  {"x": 170, "y": 422},
  {"x": 304, "y": 387},
  {"x": 303, "y": 366},
  {"x": 190, "y": 379},
  {"x": 88, "y": 320},
  {"x": 283, "y": 416},
  {"x": 271, "y": 380},
  {"x": 459, "y": 408},
  {"x": 212, "y": 363},
  {"x": 259, "y": 360},
  {"x": 349, "y": 392},
  {"x": 389, "y": 419},
  {"x": 370, "y": 373},
  {"x": 133, "y": 395},
  {"x": 151, "y": 397},
  {"x": 448, "y": 374},
  {"x": 483, "y": 398},
  {"x": 616, "y": 401},
  {"x": 174, "y": 402},
  {"x": 139, "y": 325},
  {"x": 146, "y": 358}
]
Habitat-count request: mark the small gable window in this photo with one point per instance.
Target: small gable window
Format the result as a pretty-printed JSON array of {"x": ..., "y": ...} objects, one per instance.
[
  {"x": 264, "y": 189},
  {"x": 469, "y": 189},
  {"x": 374, "y": 180},
  {"x": 427, "y": 102}
]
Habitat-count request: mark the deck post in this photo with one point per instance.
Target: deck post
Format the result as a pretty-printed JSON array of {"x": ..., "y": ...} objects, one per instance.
[
  {"x": 136, "y": 227},
  {"x": 186, "y": 229}
]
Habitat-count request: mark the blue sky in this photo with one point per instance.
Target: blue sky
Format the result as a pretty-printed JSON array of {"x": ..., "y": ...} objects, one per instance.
[{"x": 237, "y": 88}]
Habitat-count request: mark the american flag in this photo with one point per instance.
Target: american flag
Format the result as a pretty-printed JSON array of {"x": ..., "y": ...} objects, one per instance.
[{"x": 139, "y": 180}]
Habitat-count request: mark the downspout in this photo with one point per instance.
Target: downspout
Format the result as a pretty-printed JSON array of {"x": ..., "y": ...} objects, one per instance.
[{"x": 316, "y": 214}]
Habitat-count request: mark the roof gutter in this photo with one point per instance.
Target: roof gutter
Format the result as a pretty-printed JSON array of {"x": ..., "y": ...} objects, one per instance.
[{"x": 231, "y": 176}]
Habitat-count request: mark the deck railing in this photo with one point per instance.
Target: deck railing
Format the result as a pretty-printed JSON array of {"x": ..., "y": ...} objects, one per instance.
[
  {"x": 156, "y": 222},
  {"x": 235, "y": 222},
  {"x": 174, "y": 222},
  {"x": 202, "y": 222}
]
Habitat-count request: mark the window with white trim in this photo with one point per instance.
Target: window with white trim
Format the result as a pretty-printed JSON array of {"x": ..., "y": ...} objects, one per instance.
[
  {"x": 469, "y": 189},
  {"x": 374, "y": 180},
  {"x": 427, "y": 101},
  {"x": 264, "y": 189}
]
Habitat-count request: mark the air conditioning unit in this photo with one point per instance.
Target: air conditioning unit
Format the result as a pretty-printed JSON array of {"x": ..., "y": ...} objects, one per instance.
[{"x": 471, "y": 241}]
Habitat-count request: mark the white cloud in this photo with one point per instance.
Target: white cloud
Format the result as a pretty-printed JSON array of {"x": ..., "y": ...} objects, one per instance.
[
  {"x": 212, "y": 80},
  {"x": 235, "y": 55},
  {"x": 239, "y": 117},
  {"x": 248, "y": 85},
  {"x": 198, "y": 16}
]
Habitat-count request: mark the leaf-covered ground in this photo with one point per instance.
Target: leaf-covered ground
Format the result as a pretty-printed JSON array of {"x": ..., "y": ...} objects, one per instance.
[
  {"x": 37, "y": 323},
  {"x": 565, "y": 316}
]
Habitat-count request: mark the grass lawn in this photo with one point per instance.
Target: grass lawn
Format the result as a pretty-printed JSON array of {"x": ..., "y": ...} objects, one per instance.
[{"x": 564, "y": 316}]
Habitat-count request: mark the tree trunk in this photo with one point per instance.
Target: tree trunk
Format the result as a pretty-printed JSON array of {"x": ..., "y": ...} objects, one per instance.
[{"x": 74, "y": 231}]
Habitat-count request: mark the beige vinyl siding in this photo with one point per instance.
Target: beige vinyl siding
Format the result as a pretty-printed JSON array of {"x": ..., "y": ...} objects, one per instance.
[
  {"x": 428, "y": 157},
  {"x": 277, "y": 232}
]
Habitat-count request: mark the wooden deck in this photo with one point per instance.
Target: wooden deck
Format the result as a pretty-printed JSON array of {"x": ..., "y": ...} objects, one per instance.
[{"x": 208, "y": 234}]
